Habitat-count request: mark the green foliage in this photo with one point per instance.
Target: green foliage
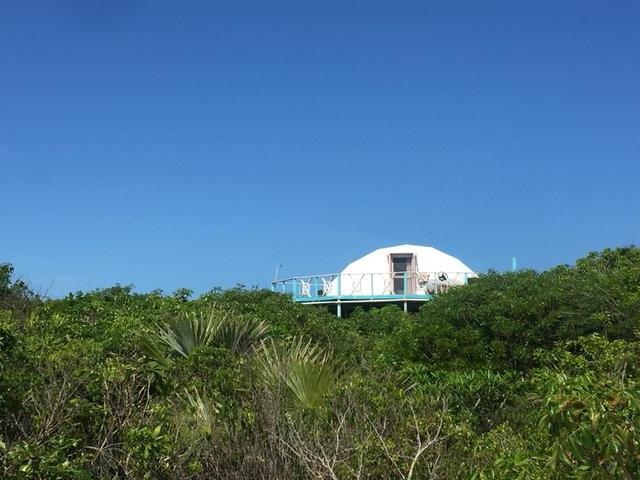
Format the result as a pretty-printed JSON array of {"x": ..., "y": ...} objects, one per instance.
[
  {"x": 15, "y": 296},
  {"x": 201, "y": 415},
  {"x": 611, "y": 359},
  {"x": 530, "y": 375},
  {"x": 185, "y": 334},
  {"x": 595, "y": 424},
  {"x": 484, "y": 396},
  {"x": 45, "y": 460},
  {"x": 8, "y": 340},
  {"x": 150, "y": 450},
  {"x": 501, "y": 319},
  {"x": 236, "y": 333},
  {"x": 241, "y": 334},
  {"x": 303, "y": 369}
]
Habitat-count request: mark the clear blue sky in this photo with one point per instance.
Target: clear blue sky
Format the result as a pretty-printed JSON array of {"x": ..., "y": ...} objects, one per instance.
[{"x": 199, "y": 144}]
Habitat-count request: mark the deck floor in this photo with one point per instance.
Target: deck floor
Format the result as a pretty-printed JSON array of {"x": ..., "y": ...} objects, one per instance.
[{"x": 344, "y": 305}]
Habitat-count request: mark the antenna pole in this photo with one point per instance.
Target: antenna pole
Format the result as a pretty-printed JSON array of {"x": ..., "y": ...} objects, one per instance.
[{"x": 275, "y": 275}]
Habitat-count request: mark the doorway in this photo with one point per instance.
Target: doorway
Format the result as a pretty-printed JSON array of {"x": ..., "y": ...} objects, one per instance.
[{"x": 401, "y": 264}]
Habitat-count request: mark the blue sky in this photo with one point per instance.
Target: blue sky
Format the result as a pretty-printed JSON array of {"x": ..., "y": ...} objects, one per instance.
[{"x": 200, "y": 144}]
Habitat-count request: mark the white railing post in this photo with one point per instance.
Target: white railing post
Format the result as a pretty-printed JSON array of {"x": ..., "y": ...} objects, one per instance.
[{"x": 371, "y": 276}]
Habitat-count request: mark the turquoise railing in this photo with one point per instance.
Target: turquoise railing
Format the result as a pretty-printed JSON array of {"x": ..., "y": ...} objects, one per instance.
[{"x": 373, "y": 286}]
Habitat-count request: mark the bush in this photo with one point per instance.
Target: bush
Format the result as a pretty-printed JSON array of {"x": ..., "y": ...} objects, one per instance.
[{"x": 517, "y": 375}]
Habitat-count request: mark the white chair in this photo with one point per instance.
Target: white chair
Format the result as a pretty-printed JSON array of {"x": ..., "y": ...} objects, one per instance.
[
  {"x": 326, "y": 286},
  {"x": 305, "y": 287}
]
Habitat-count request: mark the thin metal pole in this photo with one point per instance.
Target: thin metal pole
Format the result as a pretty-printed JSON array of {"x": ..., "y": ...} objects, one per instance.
[{"x": 275, "y": 274}]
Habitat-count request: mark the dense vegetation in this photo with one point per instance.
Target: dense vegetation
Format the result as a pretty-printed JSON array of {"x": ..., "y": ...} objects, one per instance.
[{"x": 518, "y": 375}]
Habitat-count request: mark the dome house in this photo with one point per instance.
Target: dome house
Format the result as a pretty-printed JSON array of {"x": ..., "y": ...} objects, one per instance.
[
  {"x": 403, "y": 274},
  {"x": 401, "y": 270}
]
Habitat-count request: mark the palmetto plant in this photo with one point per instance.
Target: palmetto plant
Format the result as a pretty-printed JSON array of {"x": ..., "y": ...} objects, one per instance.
[
  {"x": 240, "y": 334},
  {"x": 305, "y": 371},
  {"x": 200, "y": 415},
  {"x": 214, "y": 327},
  {"x": 191, "y": 331}
]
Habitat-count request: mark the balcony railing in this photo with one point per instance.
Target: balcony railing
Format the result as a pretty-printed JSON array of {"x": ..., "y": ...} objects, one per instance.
[{"x": 370, "y": 286}]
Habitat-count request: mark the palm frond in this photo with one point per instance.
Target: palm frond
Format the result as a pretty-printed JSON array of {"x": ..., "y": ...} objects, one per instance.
[
  {"x": 240, "y": 334},
  {"x": 150, "y": 347},
  {"x": 186, "y": 333},
  {"x": 214, "y": 327},
  {"x": 305, "y": 371},
  {"x": 199, "y": 414}
]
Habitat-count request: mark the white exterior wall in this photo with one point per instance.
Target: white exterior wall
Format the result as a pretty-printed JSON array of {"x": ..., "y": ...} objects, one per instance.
[{"x": 371, "y": 275}]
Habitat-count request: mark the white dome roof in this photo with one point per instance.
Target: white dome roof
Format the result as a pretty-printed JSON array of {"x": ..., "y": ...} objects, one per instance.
[
  {"x": 428, "y": 259},
  {"x": 406, "y": 269}
]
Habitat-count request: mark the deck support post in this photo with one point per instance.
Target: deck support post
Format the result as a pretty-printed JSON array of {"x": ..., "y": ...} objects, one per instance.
[
  {"x": 405, "y": 307},
  {"x": 339, "y": 310}
]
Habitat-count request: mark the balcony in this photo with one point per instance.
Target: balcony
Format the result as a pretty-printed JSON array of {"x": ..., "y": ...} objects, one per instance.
[{"x": 337, "y": 289}]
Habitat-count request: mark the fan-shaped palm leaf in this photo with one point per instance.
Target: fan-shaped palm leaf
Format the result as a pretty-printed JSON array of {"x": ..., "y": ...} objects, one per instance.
[
  {"x": 215, "y": 327},
  {"x": 305, "y": 370},
  {"x": 240, "y": 334},
  {"x": 195, "y": 415},
  {"x": 186, "y": 333}
]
